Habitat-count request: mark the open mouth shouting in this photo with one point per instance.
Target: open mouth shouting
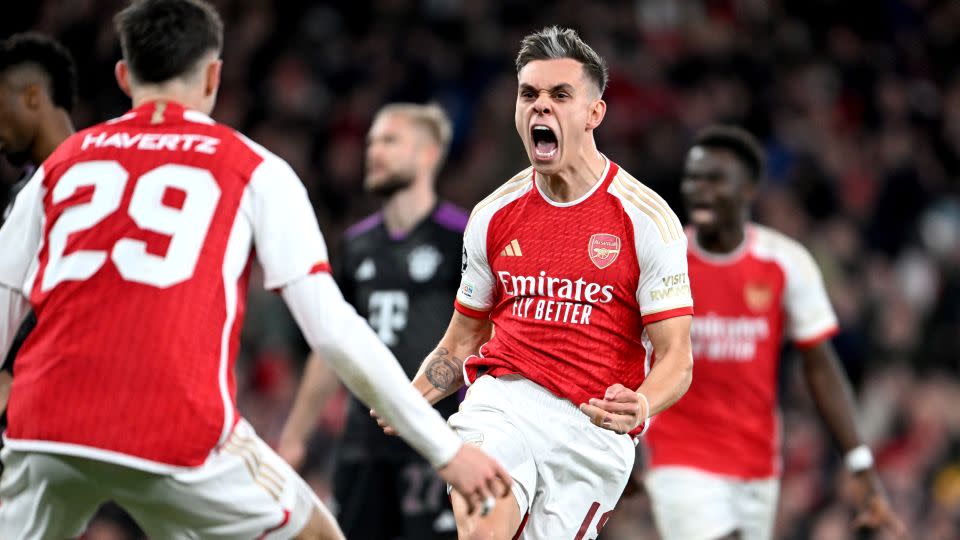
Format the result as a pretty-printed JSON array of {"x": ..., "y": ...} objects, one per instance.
[
  {"x": 702, "y": 212},
  {"x": 545, "y": 143}
]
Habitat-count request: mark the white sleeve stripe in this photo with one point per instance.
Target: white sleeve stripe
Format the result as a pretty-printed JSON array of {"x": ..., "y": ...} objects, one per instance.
[
  {"x": 657, "y": 219},
  {"x": 651, "y": 198}
]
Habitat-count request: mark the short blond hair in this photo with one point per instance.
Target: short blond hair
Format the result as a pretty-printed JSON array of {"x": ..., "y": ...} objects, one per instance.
[{"x": 431, "y": 118}]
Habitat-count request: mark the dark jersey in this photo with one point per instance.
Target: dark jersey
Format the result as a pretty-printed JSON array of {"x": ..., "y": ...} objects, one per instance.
[{"x": 404, "y": 287}]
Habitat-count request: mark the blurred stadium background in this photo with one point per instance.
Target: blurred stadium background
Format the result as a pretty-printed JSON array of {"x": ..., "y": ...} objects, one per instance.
[{"x": 857, "y": 102}]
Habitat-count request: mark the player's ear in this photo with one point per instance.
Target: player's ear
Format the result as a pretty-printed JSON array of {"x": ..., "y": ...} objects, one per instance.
[
  {"x": 598, "y": 109},
  {"x": 122, "y": 73},
  {"x": 212, "y": 78}
]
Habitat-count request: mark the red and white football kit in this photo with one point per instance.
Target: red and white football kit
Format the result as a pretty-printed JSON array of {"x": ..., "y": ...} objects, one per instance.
[
  {"x": 569, "y": 288},
  {"x": 133, "y": 243},
  {"x": 727, "y": 424}
]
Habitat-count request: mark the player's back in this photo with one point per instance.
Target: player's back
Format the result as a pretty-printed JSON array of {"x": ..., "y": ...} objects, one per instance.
[{"x": 139, "y": 288}]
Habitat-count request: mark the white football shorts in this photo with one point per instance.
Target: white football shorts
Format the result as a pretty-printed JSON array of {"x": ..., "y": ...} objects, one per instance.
[
  {"x": 568, "y": 473},
  {"x": 691, "y": 504},
  {"x": 243, "y": 490}
]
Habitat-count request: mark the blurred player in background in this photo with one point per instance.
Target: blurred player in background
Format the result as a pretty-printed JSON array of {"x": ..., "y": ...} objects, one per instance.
[
  {"x": 400, "y": 268},
  {"x": 715, "y": 455},
  {"x": 582, "y": 271},
  {"x": 133, "y": 242},
  {"x": 38, "y": 89}
]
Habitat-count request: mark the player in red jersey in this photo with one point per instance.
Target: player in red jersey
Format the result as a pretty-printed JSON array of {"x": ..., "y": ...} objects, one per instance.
[
  {"x": 133, "y": 243},
  {"x": 581, "y": 270},
  {"x": 715, "y": 456}
]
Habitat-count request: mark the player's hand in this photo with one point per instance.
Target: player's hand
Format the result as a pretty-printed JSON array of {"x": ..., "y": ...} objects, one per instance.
[
  {"x": 293, "y": 451},
  {"x": 874, "y": 510},
  {"x": 621, "y": 410},
  {"x": 477, "y": 477},
  {"x": 387, "y": 428}
]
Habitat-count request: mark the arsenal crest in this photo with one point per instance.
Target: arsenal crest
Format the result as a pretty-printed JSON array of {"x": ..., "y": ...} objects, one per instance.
[
  {"x": 603, "y": 249},
  {"x": 759, "y": 297}
]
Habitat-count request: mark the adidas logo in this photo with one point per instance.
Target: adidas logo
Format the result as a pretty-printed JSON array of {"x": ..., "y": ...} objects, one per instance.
[{"x": 512, "y": 249}]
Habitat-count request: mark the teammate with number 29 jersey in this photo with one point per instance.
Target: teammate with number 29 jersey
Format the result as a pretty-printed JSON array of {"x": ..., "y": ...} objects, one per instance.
[{"x": 191, "y": 196}]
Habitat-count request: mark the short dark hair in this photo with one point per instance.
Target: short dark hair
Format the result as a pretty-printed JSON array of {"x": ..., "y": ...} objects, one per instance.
[
  {"x": 164, "y": 39},
  {"x": 744, "y": 146},
  {"x": 49, "y": 56},
  {"x": 553, "y": 43}
]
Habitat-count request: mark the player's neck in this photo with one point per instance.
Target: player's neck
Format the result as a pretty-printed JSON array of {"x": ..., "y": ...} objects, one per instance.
[
  {"x": 721, "y": 240},
  {"x": 408, "y": 207},
  {"x": 575, "y": 180},
  {"x": 174, "y": 91},
  {"x": 56, "y": 128}
]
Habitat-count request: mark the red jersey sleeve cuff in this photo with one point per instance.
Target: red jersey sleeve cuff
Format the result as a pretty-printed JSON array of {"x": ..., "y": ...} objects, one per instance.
[
  {"x": 817, "y": 339},
  {"x": 470, "y": 312},
  {"x": 667, "y": 314},
  {"x": 323, "y": 266}
]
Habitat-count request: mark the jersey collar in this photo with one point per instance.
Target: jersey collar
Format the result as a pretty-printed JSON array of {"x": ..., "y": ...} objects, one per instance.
[{"x": 609, "y": 170}]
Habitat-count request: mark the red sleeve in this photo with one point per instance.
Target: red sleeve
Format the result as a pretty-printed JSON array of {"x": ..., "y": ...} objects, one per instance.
[
  {"x": 667, "y": 314},
  {"x": 470, "y": 312}
]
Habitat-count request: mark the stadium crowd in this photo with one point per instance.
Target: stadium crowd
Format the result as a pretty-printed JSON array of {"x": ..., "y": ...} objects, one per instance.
[{"x": 857, "y": 102}]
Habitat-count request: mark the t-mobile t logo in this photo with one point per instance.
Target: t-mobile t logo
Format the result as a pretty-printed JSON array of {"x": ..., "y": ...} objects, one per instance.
[{"x": 388, "y": 314}]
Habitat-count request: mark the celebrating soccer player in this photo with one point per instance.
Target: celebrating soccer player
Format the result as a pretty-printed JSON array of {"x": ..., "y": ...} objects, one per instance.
[
  {"x": 581, "y": 271},
  {"x": 133, "y": 242},
  {"x": 400, "y": 269},
  {"x": 715, "y": 456}
]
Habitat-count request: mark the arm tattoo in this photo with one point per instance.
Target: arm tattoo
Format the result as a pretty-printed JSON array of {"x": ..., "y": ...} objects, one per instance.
[{"x": 441, "y": 371}]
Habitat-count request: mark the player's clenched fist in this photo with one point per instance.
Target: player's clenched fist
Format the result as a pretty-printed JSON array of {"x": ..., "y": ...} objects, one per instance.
[
  {"x": 621, "y": 410},
  {"x": 476, "y": 476}
]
